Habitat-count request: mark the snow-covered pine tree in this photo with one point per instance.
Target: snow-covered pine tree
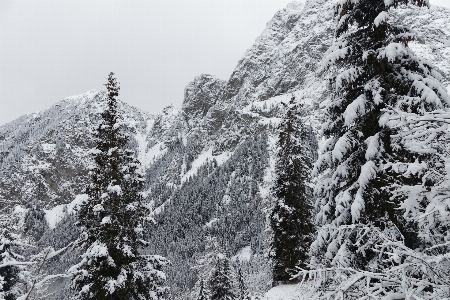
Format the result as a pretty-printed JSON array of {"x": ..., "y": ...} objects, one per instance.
[
  {"x": 221, "y": 282},
  {"x": 215, "y": 270},
  {"x": 202, "y": 294},
  {"x": 291, "y": 218},
  {"x": 242, "y": 290},
  {"x": 369, "y": 176},
  {"x": 35, "y": 223},
  {"x": 12, "y": 269},
  {"x": 111, "y": 219},
  {"x": 9, "y": 273}
]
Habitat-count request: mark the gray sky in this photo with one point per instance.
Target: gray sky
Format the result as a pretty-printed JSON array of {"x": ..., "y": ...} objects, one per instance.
[{"x": 51, "y": 49}]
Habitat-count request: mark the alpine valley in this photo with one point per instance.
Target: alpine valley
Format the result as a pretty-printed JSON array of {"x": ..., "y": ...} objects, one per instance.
[{"x": 211, "y": 165}]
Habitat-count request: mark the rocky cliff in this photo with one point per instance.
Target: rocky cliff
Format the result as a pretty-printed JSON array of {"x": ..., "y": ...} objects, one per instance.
[{"x": 209, "y": 163}]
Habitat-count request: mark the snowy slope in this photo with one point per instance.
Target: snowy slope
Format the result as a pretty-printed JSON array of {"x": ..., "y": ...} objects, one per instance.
[
  {"x": 194, "y": 156},
  {"x": 44, "y": 155}
]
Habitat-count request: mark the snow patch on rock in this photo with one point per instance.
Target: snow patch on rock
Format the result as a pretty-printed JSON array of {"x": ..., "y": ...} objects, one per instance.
[
  {"x": 204, "y": 158},
  {"x": 211, "y": 222},
  {"x": 56, "y": 214},
  {"x": 245, "y": 254}
]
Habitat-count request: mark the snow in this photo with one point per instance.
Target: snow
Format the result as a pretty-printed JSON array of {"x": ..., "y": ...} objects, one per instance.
[
  {"x": 393, "y": 51},
  {"x": 223, "y": 157},
  {"x": 334, "y": 54},
  {"x": 148, "y": 156},
  {"x": 347, "y": 77},
  {"x": 368, "y": 172},
  {"x": 48, "y": 147},
  {"x": 19, "y": 210},
  {"x": 56, "y": 214},
  {"x": 97, "y": 250},
  {"x": 226, "y": 199},
  {"x": 159, "y": 209},
  {"x": 106, "y": 220},
  {"x": 357, "y": 207},
  {"x": 89, "y": 95},
  {"x": 115, "y": 189},
  {"x": 381, "y": 18},
  {"x": 415, "y": 168},
  {"x": 354, "y": 109},
  {"x": 211, "y": 222},
  {"x": 202, "y": 159},
  {"x": 373, "y": 146},
  {"x": 243, "y": 255},
  {"x": 343, "y": 144},
  {"x": 52, "y": 253},
  {"x": 197, "y": 163},
  {"x": 265, "y": 189},
  {"x": 290, "y": 292}
]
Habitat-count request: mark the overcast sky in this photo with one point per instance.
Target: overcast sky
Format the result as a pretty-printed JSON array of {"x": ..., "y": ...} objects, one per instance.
[{"x": 57, "y": 48}]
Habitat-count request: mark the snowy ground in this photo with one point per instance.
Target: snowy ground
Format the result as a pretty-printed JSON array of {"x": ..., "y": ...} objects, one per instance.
[{"x": 290, "y": 292}]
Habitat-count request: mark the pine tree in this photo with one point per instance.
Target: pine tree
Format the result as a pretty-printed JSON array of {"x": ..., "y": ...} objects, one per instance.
[
  {"x": 368, "y": 169},
  {"x": 111, "y": 219},
  {"x": 291, "y": 218},
  {"x": 12, "y": 269},
  {"x": 221, "y": 283},
  {"x": 202, "y": 294},
  {"x": 9, "y": 274},
  {"x": 242, "y": 290}
]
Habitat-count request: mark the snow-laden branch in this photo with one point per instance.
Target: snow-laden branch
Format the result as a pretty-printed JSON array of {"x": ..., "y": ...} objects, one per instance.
[
  {"x": 406, "y": 273},
  {"x": 16, "y": 263},
  {"x": 41, "y": 259}
]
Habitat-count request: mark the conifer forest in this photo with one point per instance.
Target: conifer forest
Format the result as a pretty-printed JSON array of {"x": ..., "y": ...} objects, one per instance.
[{"x": 319, "y": 170}]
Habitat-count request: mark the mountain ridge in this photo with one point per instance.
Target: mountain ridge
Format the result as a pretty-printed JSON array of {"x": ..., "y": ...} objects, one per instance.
[{"x": 209, "y": 164}]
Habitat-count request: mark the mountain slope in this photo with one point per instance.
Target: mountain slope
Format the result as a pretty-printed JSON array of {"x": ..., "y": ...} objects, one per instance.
[
  {"x": 44, "y": 156},
  {"x": 208, "y": 164}
]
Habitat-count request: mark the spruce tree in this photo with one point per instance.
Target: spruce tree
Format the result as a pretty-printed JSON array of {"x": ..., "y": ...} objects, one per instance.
[
  {"x": 13, "y": 269},
  {"x": 111, "y": 219},
  {"x": 202, "y": 294},
  {"x": 221, "y": 283},
  {"x": 214, "y": 269},
  {"x": 242, "y": 290},
  {"x": 291, "y": 218},
  {"x": 367, "y": 171},
  {"x": 9, "y": 274}
]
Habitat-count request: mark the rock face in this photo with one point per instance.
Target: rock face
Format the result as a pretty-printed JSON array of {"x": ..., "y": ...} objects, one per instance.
[
  {"x": 208, "y": 164},
  {"x": 200, "y": 95}
]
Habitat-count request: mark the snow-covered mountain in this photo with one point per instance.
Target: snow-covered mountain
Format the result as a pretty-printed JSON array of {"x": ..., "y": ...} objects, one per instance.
[
  {"x": 209, "y": 163},
  {"x": 44, "y": 155}
]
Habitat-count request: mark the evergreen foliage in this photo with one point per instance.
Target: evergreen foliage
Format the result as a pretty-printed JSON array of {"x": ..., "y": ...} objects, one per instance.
[
  {"x": 34, "y": 221},
  {"x": 215, "y": 269},
  {"x": 242, "y": 290},
  {"x": 219, "y": 200},
  {"x": 372, "y": 178},
  {"x": 202, "y": 294},
  {"x": 291, "y": 218},
  {"x": 9, "y": 274},
  {"x": 12, "y": 269},
  {"x": 221, "y": 282},
  {"x": 111, "y": 219}
]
